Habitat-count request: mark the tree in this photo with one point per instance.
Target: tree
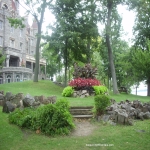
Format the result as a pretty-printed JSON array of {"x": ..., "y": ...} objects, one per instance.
[
  {"x": 142, "y": 37},
  {"x": 107, "y": 15},
  {"x": 37, "y": 10},
  {"x": 141, "y": 61},
  {"x": 73, "y": 31}
]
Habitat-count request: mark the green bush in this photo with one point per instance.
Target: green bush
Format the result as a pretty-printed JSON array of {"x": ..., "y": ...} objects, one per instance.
[
  {"x": 22, "y": 117},
  {"x": 68, "y": 91},
  {"x": 50, "y": 119},
  {"x": 100, "y": 90},
  {"x": 101, "y": 102}
]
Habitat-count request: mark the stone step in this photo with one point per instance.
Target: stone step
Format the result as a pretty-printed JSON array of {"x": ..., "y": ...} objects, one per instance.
[
  {"x": 82, "y": 116},
  {"x": 81, "y": 107},
  {"x": 81, "y": 112}
]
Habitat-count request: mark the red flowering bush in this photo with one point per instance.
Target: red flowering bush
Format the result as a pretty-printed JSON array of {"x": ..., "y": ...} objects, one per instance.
[{"x": 80, "y": 82}]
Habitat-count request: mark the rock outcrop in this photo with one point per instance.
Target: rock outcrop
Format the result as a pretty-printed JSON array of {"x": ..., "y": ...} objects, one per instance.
[{"x": 10, "y": 101}]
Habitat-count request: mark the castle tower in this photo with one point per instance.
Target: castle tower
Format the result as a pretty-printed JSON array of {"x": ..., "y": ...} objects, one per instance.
[{"x": 10, "y": 5}]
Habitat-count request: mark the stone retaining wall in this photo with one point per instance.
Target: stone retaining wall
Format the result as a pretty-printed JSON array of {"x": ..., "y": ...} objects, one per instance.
[
  {"x": 10, "y": 101},
  {"x": 125, "y": 112}
]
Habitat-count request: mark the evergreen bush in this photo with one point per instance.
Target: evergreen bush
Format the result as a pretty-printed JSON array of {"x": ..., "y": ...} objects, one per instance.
[
  {"x": 51, "y": 119},
  {"x": 101, "y": 102}
]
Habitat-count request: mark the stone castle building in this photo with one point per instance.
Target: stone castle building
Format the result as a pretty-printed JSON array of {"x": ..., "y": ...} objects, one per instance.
[{"x": 18, "y": 45}]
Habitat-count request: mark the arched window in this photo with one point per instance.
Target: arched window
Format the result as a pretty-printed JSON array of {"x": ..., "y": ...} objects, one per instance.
[
  {"x": 1, "y": 80},
  {"x": 17, "y": 78},
  {"x": 8, "y": 79}
]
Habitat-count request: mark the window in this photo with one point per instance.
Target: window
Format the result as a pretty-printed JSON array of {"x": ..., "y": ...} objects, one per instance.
[
  {"x": 31, "y": 32},
  {"x": 1, "y": 24},
  {"x": 21, "y": 45},
  {"x": 1, "y": 40},
  {"x": 12, "y": 29},
  {"x": 5, "y": 6},
  {"x": 17, "y": 78},
  {"x": 21, "y": 32},
  {"x": 8, "y": 79},
  {"x": 12, "y": 43},
  {"x": 31, "y": 42}
]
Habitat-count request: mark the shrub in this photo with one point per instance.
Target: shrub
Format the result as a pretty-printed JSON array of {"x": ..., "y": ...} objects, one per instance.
[
  {"x": 68, "y": 91},
  {"x": 53, "y": 119},
  {"x": 101, "y": 102},
  {"x": 22, "y": 117},
  {"x": 50, "y": 119},
  {"x": 79, "y": 82},
  {"x": 100, "y": 90}
]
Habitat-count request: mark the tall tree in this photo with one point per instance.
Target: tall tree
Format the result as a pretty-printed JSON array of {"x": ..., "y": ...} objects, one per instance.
[
  {"x": 108, "y": 9},
  {"x": 142, "y": 38},
  {"x": 37, "y": 9},
  {"x": 74, "y": 28},
  {"x": 141, "y": 61}
]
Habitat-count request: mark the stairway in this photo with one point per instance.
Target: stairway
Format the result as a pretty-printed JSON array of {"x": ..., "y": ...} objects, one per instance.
[{"x": 81, "y": 112}]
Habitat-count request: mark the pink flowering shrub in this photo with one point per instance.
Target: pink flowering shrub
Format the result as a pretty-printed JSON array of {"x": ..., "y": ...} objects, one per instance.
[{"x": 80, "y": 82}]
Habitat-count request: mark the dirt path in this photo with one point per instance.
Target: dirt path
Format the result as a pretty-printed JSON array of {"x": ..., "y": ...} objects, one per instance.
[{"x": 83, "y": 128}]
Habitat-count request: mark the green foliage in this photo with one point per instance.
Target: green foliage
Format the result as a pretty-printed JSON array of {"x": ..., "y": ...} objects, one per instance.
[
  {"x": 17, "y": 22},
  {"x": 51, "y": 119},
  {"x": 22, "y": 117},
  {"x": 2, "y": 58},
  {"x": 68, "y": 91},
  {"x": 101, "y": 102},
  {"x": 100, "y": 90}
]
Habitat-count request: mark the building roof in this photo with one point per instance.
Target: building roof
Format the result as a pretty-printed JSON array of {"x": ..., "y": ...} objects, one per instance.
[
  {"x": 13, "y": 5},
  {"x": 34, "y": 24}
]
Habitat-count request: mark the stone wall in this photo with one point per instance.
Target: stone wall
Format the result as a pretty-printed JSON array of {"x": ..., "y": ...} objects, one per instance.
[
  {"x": 10, "y": 101},
  {"x": 125, "y": 112}
]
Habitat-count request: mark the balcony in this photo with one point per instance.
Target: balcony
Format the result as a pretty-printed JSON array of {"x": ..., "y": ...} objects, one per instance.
[{"x": 16, "y": 69}]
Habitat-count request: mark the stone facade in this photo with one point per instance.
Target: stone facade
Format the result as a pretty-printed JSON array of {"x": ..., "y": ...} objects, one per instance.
[{"x": 18, "y": 45}]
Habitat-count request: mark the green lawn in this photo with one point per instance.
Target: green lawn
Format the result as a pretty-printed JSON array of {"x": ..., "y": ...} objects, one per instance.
[
  {"x": 48, "y": 88},
  {"x": 122, "y": 137}
]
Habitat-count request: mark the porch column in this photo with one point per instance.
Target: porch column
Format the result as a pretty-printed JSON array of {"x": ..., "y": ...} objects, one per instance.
[
  {"x": 32, "y": 66},
  {"x": 13, "y": 77},
  {"x": 3, "y": 77},
  {"x": 7, "y": 60},
  {"x": 45, "y": 72}
]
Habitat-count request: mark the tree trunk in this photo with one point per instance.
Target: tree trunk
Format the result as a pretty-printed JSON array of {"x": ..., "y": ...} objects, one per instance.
[
  {"x": 36, "y": 72},
  {"x": 148, "y": 88},
  {"x": 110, "y": 54},
  {"x": 136, "y": 90},
  {"x": 39, "y": 22},
  {"x": 66, "y": 61},
  {"x": 88, "y": 51}
]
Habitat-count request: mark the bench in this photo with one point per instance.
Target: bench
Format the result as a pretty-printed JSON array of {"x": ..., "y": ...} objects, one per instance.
[{"x": 123, "y": 89}]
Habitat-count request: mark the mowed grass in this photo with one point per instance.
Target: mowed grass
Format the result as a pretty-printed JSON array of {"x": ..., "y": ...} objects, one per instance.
[
  {"x": 48, "y": 88},
  {"x": 121, "y": 137}
]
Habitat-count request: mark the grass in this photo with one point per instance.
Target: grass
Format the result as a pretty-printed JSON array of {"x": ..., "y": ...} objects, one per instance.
[
  {"x": 122, "y": 137},
  {"x": 48, "y": 88}
]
